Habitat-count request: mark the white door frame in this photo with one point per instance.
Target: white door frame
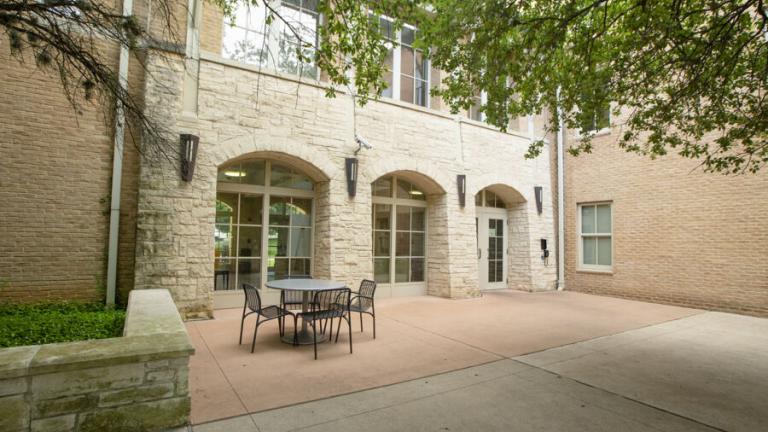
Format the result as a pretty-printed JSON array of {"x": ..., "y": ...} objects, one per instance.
[{"x": 483, "y": 215}]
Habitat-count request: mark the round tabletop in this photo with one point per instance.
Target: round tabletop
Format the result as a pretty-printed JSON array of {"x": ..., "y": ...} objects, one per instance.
[{"x": 304, "y": 284}]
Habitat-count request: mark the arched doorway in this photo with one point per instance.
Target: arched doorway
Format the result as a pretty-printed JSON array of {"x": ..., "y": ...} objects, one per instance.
[
  {"x": 399, "y": 216},
  {"x": 264, "y": 226},
  {"x": 496, "y": 210}
]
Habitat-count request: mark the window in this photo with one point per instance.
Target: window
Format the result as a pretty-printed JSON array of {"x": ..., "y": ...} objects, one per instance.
[
  {"x": 594, "y": 117},
  {"x": 478, "y": 100},
  {"x": 399, "y": 231},
  {"x": 486, "y": 198},
  {"x": 278, "y": 46},
  {"x": 252, "y": 195},
  {"x": 407, "y": 68},
  {"x": 596, "y": 243}
]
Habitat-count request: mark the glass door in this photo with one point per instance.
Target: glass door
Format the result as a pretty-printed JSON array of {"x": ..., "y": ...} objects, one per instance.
[{"x": 492, "y": 250}]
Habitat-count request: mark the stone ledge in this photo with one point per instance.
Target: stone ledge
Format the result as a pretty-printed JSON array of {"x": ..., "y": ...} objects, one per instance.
[{"x": 153, "y": 331}]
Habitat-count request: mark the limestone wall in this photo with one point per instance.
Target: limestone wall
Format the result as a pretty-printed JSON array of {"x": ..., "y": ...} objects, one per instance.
[
  {"x": 135, "y": 382},
  {"x": 245, "y": 112}
]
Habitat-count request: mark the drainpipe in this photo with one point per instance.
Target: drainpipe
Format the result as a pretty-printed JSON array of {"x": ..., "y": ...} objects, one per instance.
[
  {"x": 117, "y": 169},
  {"x": 560, "y": 198}
]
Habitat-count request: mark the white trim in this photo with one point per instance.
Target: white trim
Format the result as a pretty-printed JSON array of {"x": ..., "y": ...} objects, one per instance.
[{"x": 595, "y": 268}]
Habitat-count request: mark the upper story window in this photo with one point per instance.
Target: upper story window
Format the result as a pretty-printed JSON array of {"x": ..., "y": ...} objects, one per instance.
[
  {"x": 287, "y": 45},
  {"x": 407, "y": 68},
  {"x": 596, "y": 237},
  {"x": 474, "y": 112}
]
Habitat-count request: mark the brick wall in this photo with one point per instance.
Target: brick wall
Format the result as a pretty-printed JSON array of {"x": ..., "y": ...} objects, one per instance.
[
  {"x": 681, "y": 236},
  {"x": 55, "y": 171}
]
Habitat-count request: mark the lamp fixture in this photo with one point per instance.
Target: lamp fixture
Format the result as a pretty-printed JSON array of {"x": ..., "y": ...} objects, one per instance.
[
  {"x": 351, "y": 171},
  {"x": 461, "y": 182},
  {"x": 539, "y": 192},
  {"x": 189, "y": 145},
  {"x": 234, "y": 173}
]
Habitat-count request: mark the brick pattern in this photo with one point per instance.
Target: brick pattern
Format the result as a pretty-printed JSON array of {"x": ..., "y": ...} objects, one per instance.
[
  {"x": 55, "y": 171},
  {"x": 681, "y": 236}
]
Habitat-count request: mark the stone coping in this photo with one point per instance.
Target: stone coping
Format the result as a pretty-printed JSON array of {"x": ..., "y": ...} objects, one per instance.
[{"x": 153, "y": 331}]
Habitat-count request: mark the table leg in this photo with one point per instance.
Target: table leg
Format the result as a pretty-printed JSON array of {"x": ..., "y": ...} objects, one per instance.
[{"x": 304, "y": 335}]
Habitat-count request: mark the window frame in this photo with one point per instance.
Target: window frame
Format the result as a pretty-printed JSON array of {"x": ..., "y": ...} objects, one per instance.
[
  {"x": 397, "y": 66},
  {"x": 601, "y": 131},
  {"x": 266, "y": 192},
  {"x": 273, "y": 35},
  {"x": 393, "y": 201},
  {"x": 595, "y": 268}
]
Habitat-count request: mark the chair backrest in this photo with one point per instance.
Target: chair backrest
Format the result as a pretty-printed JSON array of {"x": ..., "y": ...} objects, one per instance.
[
  {"x": 366, "y": 292},
  {"x": 252, "y": 297},
  {"x": 331, "y": 299}
]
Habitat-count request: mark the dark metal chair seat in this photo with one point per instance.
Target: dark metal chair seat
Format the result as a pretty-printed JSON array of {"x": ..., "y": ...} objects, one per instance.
[
  {"x": 362, "y": 302},
  {"x": 268, "y": 313},
  {"x": 327, "y": 305}
]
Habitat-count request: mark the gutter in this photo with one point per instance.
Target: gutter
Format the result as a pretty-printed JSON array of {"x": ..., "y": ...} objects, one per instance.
[
  {"x": 560, "y": 198},
  {"x": 117, "y": 170}
]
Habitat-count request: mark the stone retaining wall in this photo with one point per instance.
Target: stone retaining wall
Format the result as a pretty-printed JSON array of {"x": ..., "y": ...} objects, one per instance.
[{"x": 135, "y": 382}]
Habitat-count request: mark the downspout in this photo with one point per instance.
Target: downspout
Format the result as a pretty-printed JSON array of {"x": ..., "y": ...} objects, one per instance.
[
  {"x": 117, "y": 168},
  {"x": 560, "y": 198}
]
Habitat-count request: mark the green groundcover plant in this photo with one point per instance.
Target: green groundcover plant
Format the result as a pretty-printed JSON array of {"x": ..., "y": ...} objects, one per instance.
[{"x": 42, "y": 323}]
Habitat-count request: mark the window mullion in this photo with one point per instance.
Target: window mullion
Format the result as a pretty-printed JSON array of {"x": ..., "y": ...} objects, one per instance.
[{"x": 396, "y": 58}]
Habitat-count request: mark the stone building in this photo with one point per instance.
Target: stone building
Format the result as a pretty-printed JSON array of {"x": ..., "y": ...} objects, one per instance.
[{"x": 443, "y": 205}]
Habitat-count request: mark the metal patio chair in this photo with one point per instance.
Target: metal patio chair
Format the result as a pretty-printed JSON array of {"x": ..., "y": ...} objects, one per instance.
[
  {"x": 327, "y": 305},
  {"x": 254, "y": 305},
  {"x": 291, "y": 300},
  {"x": 362, "y": 302}
]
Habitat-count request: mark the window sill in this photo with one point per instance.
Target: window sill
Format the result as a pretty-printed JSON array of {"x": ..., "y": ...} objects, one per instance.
[
  {"x": 608, "y": 272},
  {"x": 594, "y": 134}
]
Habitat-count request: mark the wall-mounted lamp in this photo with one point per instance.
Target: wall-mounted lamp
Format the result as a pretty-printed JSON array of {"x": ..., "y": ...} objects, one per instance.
[
  {"x": 351, "y": 168},
  {"x": 539, "y": 192},
  {"x": 461, "y": 181},
  {"x": 189, "y": 144}
]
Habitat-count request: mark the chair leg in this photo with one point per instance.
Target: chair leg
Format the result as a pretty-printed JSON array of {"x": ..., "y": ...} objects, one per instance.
[
  {"x": 373, "y": 315},
  {"x": 242, "y": 321},
  {"x": 280, "y": 325},
  {"x": 361, "y": 321},
  {"x": 314, "y": 337},
  {"x": 338, "y": 328},
  {"x": 349, "y": 323},
  {"x": 295, "y": 330},
  {"x": 330, "y": 330},
  {"x": 255, "y": 330}
]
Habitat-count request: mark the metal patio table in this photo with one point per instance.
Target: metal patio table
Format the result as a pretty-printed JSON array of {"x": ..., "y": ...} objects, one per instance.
[{"x": 307, "y": 288}]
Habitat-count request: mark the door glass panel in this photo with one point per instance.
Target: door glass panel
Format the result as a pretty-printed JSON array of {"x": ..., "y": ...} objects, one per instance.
[
  {"x": 417, "y": 244},
  {"x": 250, "y": 241},
  {"x": 249, "y": 271},
  {"x": 301, "y": 212},
  {"x": 604, "y": 251},
  {"x": 381, "y": 243},
  {"x": 491, "y": 247},
  {"x": 226, "y": 208},
  {"x": 251, "y": 209},
  {"x": 300, "y": 267},
  {"x": 418, "y": 215},
  {"x": 403, "y": 218},
  {"x": 301, "y": 240},
  {"x": 223, "y": 241},
  {"x": 588, "y": 219},
  {"x": 401, "y": 269},
  {"x": 223, "y": 274},
  {"x": 381, "y": 270},
  {"x": 604, "y": 218},
  {"x": 417, "y": 269},
  {"x": 381, "y": 214},
  {"x": 589, "y": 247},
  {"x": 278, "y": 242},
  {"x": 402, "y": 244},
  {"x": 278, "y": 268}
]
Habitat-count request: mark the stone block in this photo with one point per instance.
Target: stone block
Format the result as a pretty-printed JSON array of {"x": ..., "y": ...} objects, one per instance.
[
  {"x": 136, "y": 394},
  {"x": 63, "y": 405},
  {"x": 158, "y": 415},
  {"x": 87, "y": 380},
  {"x": 65, "y": 423},
  {"x": 13, "y": 386},
  {"x": 14, "y": 413}
]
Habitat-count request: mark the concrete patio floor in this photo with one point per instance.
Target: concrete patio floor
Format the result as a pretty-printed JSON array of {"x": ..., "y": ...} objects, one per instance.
[
  {"x": 416, "y": 337},
  {"x": 702, "y": 372}
]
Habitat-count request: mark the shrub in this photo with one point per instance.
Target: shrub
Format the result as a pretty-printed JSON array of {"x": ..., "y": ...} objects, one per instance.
[{"x": 34, "y": 324}]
